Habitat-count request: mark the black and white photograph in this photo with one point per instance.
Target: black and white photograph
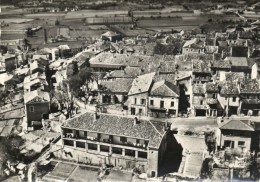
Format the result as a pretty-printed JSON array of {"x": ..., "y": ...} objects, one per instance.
[{"x": 129, "y": 90}]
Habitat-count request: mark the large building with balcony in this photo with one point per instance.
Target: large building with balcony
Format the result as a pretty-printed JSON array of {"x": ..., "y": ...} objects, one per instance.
[{"x": 115, "y": 140}]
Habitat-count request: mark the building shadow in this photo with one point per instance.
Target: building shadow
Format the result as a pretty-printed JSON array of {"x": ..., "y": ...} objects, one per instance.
[{"x": 173, "y": 156}]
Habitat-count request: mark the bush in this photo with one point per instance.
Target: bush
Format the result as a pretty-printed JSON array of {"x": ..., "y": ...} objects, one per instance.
[{"x": 57, "y": 22}]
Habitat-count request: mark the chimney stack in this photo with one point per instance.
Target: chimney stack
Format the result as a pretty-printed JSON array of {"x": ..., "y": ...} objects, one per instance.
[
  {"x": 95, "y": 116},
  {"x": 136, "y": 121}
]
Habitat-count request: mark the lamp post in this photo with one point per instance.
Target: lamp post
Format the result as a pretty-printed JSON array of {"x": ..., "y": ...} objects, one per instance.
[{"x": 231, "y": 171}]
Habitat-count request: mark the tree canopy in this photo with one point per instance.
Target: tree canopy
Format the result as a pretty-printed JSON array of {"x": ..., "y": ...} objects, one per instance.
[{"x": 10, "y": 150}]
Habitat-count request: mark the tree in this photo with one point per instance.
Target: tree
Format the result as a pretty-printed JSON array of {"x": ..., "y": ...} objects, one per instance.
[
  {"x": 3, "y": 95},
  {"x": 210, "y": 141},
  {"x": 6, "y": 96},
  {"x": 81, "y": 84},
  {"x": 48, "y": 74},
  {"x": 29, "y": 32},
  {"x": 26, "y": 44},
  {"x": 64, "y": 98},
  {"x": 57, "y": 22},
  {"x": 10, "y": 150},
  {"x": 75, "y": 68},
  {"x": 72, "y": 69},
  {"x": 83, "y": 20}
]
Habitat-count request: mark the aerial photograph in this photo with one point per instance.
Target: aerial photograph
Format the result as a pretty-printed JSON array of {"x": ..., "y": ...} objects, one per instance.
[{"x": 129, "y": 90}]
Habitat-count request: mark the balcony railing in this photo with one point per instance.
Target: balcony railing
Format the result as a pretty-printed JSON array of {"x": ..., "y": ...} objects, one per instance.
[
  {"x": 108, "y": 141},
  {"x": 139, "y": 104}
]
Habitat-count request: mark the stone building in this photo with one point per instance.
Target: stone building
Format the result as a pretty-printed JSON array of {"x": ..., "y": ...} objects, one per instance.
[{"x": 114, "y": 140}]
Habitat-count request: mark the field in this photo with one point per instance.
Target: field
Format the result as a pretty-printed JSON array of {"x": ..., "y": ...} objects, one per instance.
[
  {"x": 119, "y": 176},
  {"x": 61, "y": 172},
  {"x": 83, "y": 174},
  {"x": 71, "y": 173},
  {"x": 94, "y": 13},
  {"x": 15, "y": 20}
]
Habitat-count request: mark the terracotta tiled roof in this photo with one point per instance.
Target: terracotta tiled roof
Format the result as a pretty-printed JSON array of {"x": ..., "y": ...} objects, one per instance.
[
  {"x": 36, "y": 93},
  {"x": 164, "y": 88},
  {"x": 167, "y": 77},
  {"x": 234, "y": 76},
  {"x": 128, "y": 72},
  {"x": 199, "y": 66},
  {"x": 238, "y": 61},
  {"x": 212, "y": 87},
  {"x": 221, "y": 64},
  {"x": 117, "y": 86},
  {"x": 167, "y": 66},
  {"x": 194, "y": 43},
  {"x": 243, "y": 125},
  {"x": 250, "y": 86},
  {"x": 120, "y": 126},
  {"x": 229, "y": 88},
  {"x": 142, "y": 84}
]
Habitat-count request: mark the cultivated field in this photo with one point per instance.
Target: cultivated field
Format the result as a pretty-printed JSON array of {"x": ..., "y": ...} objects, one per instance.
[
  {"x": 84, "y": 174},
  {"x": 61, "y": 172},
  {"x": 15, "y": 20},
  {"x": 94, "y": 13}
]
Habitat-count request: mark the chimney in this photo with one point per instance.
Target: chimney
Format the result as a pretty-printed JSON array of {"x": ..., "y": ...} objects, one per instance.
[
  {"x": 95, "y": 116},
  {"x": 136, "y": 121}
]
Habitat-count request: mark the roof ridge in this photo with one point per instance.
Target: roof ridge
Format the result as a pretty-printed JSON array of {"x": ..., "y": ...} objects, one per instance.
[{"x": 155, "y": 128}]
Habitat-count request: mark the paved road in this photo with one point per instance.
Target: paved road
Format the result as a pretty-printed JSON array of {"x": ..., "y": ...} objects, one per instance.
[{"x": 195, "y": 121}]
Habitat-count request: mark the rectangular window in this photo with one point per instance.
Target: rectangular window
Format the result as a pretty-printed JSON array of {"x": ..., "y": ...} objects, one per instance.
[
  {"x": 172, "y": 104},
  {"x": 31, "y": 108},
  {"x": 214, "y": 96},
  {"x": 162, "y": 104},
  {"x": 201, "y": 102},
  {"x": 104, "y": 148},
  {"x": 142, "y": 155},
  {"x": 151, "y": 102},
  {"x": 135, "y": 101},
  {"x": 69, "y": 143},
  {"x": 80, "y": 145},
  {"x": 92, "y": 146},
  {"x": 129, "y": 152},
  {"x": 241, "y": 143},
  {"x": 140, "y": 111},
  {"x": 123, "y": 139},
  {"x": 234, "y": 99},
  {"x": 142, "y": 101},
  {"x": 229, "y": 143},
  {"x": 116, "y": 150}
]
